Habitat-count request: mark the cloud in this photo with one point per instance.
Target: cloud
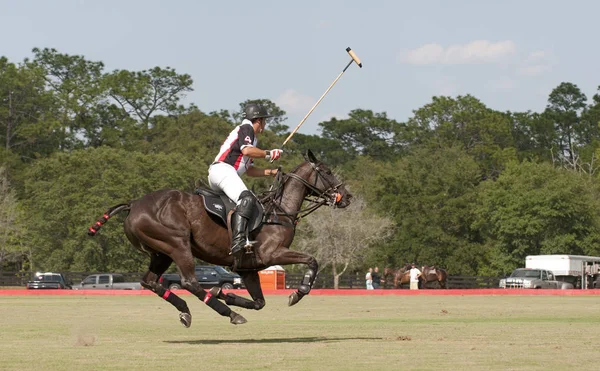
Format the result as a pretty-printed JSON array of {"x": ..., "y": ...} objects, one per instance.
[
  {"x": 536, "y": 64},
  {"x": 536, "y": 55},
  {"x": 535, "y": 70},
  {"x": 502, "y": 84},
  {"x": 322, "y": 25},
  {"x": 475, "y": 52},
  {"x": 294, "y": 102},
  {"x": 445, "y": 86}
]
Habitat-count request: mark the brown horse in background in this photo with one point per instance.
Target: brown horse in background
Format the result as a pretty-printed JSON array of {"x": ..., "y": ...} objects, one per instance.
[
  {"x": 433, "y": 274},
  {"x": 397, "y": 276}
]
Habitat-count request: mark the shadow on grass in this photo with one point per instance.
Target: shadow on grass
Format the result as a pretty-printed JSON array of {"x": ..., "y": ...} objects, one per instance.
[{"x": 311, "y": 339}]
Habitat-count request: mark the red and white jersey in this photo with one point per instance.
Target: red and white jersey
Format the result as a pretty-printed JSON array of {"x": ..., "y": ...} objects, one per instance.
[{"x": 231, "y": 150}]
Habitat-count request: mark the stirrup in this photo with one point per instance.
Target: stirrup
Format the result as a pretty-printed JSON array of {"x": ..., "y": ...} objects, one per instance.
[
  {"x": 249, "y": 245},
  {"x": 236, "y": 252}
]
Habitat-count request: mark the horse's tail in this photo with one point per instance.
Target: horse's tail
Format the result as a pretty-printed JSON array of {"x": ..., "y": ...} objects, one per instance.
[
  {"x": 444, "y": 273},
  {"x": 107, "y": 215}
]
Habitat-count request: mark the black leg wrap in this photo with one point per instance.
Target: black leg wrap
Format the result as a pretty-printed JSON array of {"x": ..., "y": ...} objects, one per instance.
[
  {"x": 308, "y": 276},
  {"x": 218, "y": 307},
  {"x": 306, "y": 283},
  {"x": 212, "y": 301},
  {"x": 178, "y": 303},
  {"x": 175, "y": 300},
  {"x": 238, "y": 301}
]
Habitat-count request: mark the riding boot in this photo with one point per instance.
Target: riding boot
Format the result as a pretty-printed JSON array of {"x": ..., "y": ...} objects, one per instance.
[
  {"x": 238, "y": 234},
  {"x": 239, "y": 223}
]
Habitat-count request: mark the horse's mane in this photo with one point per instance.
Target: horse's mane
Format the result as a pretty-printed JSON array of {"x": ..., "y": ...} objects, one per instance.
[{"x": 272, "y": 197}]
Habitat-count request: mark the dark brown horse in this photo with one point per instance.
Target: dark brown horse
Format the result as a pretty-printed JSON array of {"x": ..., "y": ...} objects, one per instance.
[
  {"x": 173, "y": 226},
  {"x": 433, "y": 274},
  {"x": 397, "y": 276}
]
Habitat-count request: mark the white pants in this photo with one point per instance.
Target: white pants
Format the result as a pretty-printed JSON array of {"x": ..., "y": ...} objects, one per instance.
[{"x": 223, "y": 177}]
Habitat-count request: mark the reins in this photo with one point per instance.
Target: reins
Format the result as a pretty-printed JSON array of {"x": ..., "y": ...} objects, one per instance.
[{"x": 274, "y": 196}]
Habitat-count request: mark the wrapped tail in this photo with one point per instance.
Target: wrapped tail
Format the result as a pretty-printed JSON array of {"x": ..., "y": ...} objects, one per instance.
[{"x": 107, "y": 215}]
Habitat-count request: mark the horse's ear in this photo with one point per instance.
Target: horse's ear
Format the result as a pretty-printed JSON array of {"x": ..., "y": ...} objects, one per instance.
[{"x": 310, "y": 157}]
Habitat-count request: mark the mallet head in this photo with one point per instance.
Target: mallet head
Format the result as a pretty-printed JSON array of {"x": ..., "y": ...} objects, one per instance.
[{"x": 354, "y": 57}]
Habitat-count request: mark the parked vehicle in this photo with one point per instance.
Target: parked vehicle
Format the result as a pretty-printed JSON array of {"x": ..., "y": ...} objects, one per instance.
[
  {"x": 578, "y": 270},
  {"x": 49, "y": 280},
  {"x": 208, "y": 276},
  {"x": 528, "y": 278},
  {"x": 107, "y": 281}
]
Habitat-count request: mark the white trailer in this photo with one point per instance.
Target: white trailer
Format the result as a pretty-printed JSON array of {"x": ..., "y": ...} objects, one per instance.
[{"x": 579, "y": 270}]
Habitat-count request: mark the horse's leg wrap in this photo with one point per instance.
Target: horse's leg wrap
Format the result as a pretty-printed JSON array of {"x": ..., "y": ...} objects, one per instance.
[
  {"x": 213, "y": 302},
  {"x": 238, "y": 301},
  {"x": 168, "y": 295},
  {"x": 307, "y": 282},
  {"x": 175, "y": 300}
]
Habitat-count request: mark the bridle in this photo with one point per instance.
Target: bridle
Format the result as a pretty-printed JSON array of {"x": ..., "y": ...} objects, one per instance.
[{"x": 317, "y": 197}]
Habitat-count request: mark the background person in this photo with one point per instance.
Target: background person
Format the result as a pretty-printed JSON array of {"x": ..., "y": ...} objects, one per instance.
[
  {"x": 415, "y": 273},
  {"x": 369, "y": 279},
  {"x": 376, "y": 278}
]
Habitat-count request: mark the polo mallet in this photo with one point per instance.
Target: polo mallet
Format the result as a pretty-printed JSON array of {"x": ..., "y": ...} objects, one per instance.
[{"x": 354, "y": 59}]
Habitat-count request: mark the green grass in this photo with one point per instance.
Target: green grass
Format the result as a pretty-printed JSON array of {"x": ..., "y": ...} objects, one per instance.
[{"x": 320, "y": 333}]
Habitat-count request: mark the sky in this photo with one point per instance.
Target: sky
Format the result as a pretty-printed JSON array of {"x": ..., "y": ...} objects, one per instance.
[{"x": 509, "y": 54}]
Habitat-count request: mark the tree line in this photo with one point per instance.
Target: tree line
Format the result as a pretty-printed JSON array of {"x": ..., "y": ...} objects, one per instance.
[{"x": 458, "y": 184}]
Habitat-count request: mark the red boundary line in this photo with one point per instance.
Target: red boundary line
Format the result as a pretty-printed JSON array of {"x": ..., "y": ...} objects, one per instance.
[{"x": 451, "y": 292}]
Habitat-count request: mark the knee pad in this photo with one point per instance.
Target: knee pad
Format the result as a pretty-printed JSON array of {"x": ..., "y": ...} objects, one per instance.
[{"x": 246, "y": 204}]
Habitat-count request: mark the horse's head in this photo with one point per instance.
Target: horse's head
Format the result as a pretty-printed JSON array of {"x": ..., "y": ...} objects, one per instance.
[{"x": 323, "y": 183}]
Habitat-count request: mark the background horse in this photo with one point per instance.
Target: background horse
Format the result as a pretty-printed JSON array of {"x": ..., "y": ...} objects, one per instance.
[
  {"x": 433, "y": 274},
  {"x": 397, "y": 276},
  {"x": 174, "y": 226}
]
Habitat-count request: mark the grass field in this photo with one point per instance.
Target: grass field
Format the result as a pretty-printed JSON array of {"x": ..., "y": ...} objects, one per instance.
[{"x": 320, "y": 333}]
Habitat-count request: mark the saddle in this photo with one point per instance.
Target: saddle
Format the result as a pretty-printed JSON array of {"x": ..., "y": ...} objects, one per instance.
[
  {"x": 219, "y": 205},
  {"x": 430, "y": 270}
]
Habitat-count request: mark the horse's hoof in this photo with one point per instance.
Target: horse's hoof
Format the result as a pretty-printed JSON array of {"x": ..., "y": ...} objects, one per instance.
[
  {"x": 185, "y": 319},
  {"x": 237, "y": 319},
  {"x": 294, "y": 298}
]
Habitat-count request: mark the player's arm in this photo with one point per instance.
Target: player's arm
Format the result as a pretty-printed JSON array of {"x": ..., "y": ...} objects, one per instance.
[
  {"x": 253, "y": 152},
  {"x": 257, "y": 172}
]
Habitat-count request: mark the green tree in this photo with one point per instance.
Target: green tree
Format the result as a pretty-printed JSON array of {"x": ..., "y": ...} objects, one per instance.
[
  {"x": 533, "y": 135},
  {"x": 76, "y": 84},
  {"x": 590, "y": 118},
  {"x": 143, "y": 94},
  {"x": 193, "y": 134},
  {"x": 464, "y": 121},
  {"x": 27, "y": 126},
  {"x": 430, "y": 194},
  {"x": 12, "y": 250},
  {"x": 565, "y": 104},
  {"x": 363, "y": 132},
  {"x": 329, "y": 151},
  {"x": 537, "y": 209},
  {"x": 68, "y": 191}
]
